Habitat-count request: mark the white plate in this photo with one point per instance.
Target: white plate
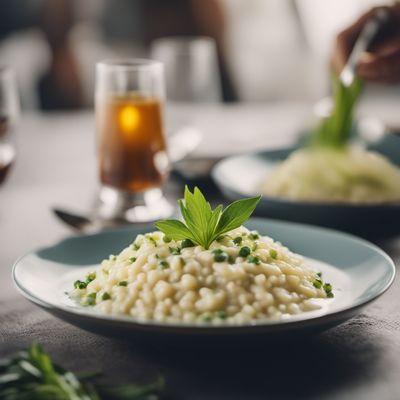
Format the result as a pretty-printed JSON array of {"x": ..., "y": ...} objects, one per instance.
[{"x": 358, "y": 270}]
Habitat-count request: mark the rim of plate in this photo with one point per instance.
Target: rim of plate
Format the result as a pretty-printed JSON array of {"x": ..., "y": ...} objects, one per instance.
[
  {"x": 273, "y": 324},
  {"x": 215, "y": 172}
]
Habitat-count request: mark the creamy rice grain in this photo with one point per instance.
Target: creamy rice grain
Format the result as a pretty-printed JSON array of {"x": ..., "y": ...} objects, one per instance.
[{"x": 154, "y": 280}]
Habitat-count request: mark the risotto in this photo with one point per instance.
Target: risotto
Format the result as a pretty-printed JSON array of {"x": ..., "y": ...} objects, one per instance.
[
  {"x": 242, "y": 277},
  {"x": 352, "y": 175}
]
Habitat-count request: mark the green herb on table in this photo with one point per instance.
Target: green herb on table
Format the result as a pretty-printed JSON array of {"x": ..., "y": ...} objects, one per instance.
[
  {"x": 202, "y": 225},
  {"x": 31, "y": 375},
  {"x": 334, "y": 130}
]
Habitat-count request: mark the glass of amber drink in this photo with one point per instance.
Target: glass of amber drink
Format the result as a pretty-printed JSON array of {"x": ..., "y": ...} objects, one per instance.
[{"x": 131, "y": 144}]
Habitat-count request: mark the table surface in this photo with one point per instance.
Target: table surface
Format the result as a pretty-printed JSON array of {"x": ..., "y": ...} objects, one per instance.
[{"x": 359, "y": 359}]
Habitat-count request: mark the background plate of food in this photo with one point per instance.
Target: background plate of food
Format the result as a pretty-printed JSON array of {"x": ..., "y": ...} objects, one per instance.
[{"x": 367, "y": 213}]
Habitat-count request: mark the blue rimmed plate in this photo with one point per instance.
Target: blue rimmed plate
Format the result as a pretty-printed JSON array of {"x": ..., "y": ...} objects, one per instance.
[
  {"x": 359, "y": 271},
  {"x": 243, "y": 175}
]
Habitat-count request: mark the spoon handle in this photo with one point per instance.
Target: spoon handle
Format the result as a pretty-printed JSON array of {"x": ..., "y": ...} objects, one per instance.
[{"x": 367, "y": 35}]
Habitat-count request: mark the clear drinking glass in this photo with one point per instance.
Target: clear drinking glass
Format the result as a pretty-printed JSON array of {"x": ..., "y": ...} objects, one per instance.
[
  {"x": 191, "y": 68},
  {"x": 132, "y": 155},
  {"x": 9, "y": 113}
]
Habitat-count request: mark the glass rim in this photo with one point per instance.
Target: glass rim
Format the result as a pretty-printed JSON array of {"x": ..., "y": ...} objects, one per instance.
[
  {"x": 128, "y": 64},
  {"x": 184, "y": 39}
]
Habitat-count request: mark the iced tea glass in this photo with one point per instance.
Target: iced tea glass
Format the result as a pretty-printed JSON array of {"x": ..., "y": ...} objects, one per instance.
[{"x": 132, "y": 155}]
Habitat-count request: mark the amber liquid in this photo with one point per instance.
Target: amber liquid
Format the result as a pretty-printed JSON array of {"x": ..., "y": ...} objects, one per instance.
[{"x": 132, "y": 148}]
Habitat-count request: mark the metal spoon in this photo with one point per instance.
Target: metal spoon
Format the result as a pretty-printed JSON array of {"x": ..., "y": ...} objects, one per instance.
[
  {"x": 85, "y": 224},
  {"x": 362, "y": 43}
]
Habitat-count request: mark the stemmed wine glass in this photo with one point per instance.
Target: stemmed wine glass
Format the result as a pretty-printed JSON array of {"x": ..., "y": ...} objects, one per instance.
[{"x": 9, "y": 112}]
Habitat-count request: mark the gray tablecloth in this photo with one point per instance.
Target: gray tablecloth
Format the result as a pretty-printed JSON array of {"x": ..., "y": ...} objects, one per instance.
[{"x": 357, "y": 360}]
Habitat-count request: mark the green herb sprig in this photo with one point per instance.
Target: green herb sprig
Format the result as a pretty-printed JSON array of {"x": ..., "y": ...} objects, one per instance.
[
  {"x": 202, "y": 225},
  {"x": 31, "y": 375},
  {"x": 334, "y": 130}
]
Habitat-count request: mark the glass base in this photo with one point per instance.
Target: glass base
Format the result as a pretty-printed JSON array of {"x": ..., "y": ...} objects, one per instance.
[{"x": 128, "y": 207}]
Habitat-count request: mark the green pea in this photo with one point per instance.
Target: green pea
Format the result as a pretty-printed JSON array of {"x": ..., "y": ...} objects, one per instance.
[
  {"x": 163, "y": 264},
  {"x": 221, "y": 314},
  {"x": 244, "y": 251},
  {"x": 253, "y": 260},
  {"x": 91, "y": 299},
  {"x": 91, "y": 276},
  {"x": 273, "y": 254},
  {"x": 106, "y": 296},
  {"x": 254, "y": 235},
  {"x": 328, "y": 287},
  {"x": 175, "y": 251},
  {"x": 317, "y": 283},
  {"x": 220, "y": 255},
  {"x": 80, "y": 284},
  {"x": 238, "y": 240},
  {"x": 187, "y": 243}
]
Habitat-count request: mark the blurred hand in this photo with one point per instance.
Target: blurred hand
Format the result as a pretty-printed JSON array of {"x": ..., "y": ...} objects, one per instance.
[{"x": 382, "y": 61}]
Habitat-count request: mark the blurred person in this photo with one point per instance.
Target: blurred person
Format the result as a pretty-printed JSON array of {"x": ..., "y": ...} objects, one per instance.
[
  {"x": 143, "y": 21},
  {"x": 381, "y": 63},
  {"x": 59, "y": 87},
  {"x": 132, "y": 23}
]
